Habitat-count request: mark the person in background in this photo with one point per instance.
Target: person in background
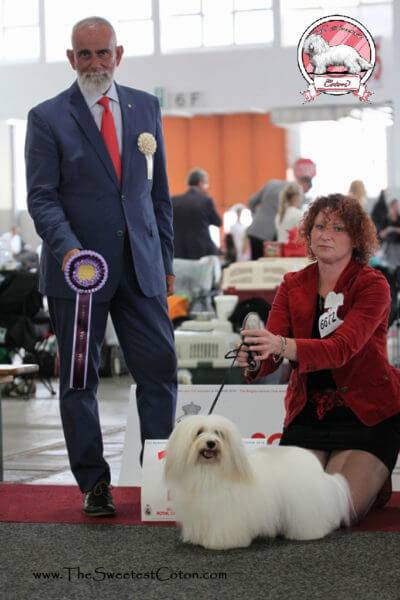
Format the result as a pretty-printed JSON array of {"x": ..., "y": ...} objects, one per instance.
[
  {"x": 14, "y": 240},
  {"x": 379, "y": 212},
  {"x": 357, "y": 189},
  {"x": 330, "y": 321},
  {"x": 230, "y": 252},
  {"x": 289, "y": 213},
  {"x": 193, "y": 213},
  {"x": 264, "y": 207},
  {"x": 390, "y": 234},
  {"x": 90, "y": 188},
  {"x": 239, "y": 236}
]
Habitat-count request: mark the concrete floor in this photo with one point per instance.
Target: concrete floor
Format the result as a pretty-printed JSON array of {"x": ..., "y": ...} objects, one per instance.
[{"x": 33, "y": 441}]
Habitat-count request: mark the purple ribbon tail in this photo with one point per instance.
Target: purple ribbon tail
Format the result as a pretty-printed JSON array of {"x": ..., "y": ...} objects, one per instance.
[{"x": 80, "y": 347}]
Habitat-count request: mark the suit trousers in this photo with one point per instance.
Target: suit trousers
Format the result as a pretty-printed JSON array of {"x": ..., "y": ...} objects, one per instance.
[
  {"x": 146, "y": 337},
  {"x": 256, "y": 247}
]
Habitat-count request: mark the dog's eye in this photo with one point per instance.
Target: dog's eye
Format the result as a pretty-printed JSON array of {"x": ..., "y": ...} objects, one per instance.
[
  {"x": 219, "y": 434},
  {"x": 200, "y": 431}
]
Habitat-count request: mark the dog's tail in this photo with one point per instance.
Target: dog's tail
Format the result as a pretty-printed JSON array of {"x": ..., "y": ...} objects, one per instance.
[
  {"x": 344, "y": 499},
  {"x": 364, "y": 64}
]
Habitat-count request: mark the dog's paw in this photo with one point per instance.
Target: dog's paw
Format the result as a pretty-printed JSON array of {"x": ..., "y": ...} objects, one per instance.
[
  {"x": 220, "y": 547},
  {"x": 243, "y": 542}
]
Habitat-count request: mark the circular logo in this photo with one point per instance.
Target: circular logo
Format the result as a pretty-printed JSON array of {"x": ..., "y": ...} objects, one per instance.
[{"x": 336, "y": 55}]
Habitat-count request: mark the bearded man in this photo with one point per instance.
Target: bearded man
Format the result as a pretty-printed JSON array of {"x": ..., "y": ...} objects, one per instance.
[{"x": 97, "y": 181}]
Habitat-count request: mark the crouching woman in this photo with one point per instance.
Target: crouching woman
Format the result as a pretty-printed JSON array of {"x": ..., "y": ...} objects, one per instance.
[{"x": 330, "y": 321}]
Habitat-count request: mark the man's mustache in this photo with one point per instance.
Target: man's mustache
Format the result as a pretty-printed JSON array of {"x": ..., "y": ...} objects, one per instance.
[{"x": 95, "y": 75}]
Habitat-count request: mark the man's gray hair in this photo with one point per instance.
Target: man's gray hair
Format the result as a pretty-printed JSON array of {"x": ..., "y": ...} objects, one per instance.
[
  {"x": 196, "y": 176},
  {"x": 92, "y": 21}
]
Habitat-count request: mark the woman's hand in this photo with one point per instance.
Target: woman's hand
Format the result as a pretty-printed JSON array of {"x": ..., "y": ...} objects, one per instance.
[
  {"x": 261, "y": 343},
  {"x": 242, "y": 359}
]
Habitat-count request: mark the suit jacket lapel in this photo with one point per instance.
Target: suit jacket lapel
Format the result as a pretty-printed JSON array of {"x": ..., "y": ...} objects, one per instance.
[
  {"x": 344, "y": 283},
  {"x": 303, "y": 299},
  {"x": 347, "y": 276},
  {"x": 128, "y": 131},
  {"x": 84, "y": 118}
]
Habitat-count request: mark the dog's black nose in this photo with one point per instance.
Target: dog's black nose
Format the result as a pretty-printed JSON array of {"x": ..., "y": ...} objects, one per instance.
[{"x": 210, "y": 444}]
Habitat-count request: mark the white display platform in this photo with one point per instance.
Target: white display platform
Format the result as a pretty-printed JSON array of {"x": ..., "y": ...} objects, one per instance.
[{"x": 257, "y": 410}]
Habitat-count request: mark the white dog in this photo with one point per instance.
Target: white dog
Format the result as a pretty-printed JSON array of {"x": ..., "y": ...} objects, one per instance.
[
  {"x": 225, "y": 496},
  {"x": 323, "y": 56}
]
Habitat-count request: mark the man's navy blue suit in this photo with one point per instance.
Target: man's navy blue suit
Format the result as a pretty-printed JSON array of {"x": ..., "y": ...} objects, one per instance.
[{"x": 76, "y": 201}]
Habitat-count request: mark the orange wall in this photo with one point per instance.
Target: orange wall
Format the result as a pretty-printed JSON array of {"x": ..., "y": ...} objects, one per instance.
[{"x": 240, "y": 152}]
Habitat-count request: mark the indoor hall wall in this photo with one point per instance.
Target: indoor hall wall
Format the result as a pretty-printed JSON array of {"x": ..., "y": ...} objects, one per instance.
[
  {"x": 234, "y": 80},
  {"x": 240, "y": 80},
  {"x": 239, "y": 151}
]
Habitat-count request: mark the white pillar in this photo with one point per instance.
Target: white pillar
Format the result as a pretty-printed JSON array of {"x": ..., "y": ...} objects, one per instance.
[{"x": 394, "y": 132}]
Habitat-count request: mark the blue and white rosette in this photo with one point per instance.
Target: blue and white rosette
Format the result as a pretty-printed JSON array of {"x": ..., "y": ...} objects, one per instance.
[{"x": 86, "y": 272}]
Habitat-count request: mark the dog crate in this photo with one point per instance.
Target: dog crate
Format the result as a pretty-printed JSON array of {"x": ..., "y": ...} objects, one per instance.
[
  {"x": 259, "y": 278},
  {"x": 204, "y": 344}
]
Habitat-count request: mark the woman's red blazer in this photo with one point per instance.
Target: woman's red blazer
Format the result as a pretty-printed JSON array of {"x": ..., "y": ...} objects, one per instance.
[{"x": 356, "y": 351}]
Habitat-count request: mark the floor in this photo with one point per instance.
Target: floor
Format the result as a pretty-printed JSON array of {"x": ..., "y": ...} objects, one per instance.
[{"x": 33, "y": 441}]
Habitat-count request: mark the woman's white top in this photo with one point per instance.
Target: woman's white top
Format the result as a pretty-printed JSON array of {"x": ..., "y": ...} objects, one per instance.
[
  {"x": 238, "y": 232},
  {"x": 291, "y": 219}
]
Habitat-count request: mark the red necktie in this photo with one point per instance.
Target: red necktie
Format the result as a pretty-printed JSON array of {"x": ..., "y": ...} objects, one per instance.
[{"x": 109, "y": 134}]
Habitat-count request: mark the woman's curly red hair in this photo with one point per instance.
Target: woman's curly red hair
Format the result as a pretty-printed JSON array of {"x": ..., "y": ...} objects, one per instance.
[{"x": 358, "y": 224}]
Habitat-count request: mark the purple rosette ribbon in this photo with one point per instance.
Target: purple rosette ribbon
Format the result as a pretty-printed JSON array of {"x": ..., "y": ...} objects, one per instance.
[{"x": 85, "y": 273}]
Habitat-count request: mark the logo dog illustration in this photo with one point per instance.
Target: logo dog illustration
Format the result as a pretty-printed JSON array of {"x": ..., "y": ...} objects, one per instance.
[
  {"x": 336, "y": 55},
  {"x": 323, "y": 56}
]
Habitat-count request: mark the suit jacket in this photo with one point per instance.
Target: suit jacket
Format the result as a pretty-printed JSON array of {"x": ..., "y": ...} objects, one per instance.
[
  {"x": 264, "y": 206},
  {"x": 193, "y": 212},
  {"x": 356, "y": 351},
  {"x": 75, "y": 199}
]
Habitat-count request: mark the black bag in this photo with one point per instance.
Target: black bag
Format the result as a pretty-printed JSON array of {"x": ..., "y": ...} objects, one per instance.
[
  {"x": 258, "y": 305},
  {"x": 17, "y": 331},
  {"x": 45, "y": 360},
  {"x": 19, "y": 294}
]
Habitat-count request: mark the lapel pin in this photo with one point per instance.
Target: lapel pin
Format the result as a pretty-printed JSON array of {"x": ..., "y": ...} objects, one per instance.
[{"x": 129, "y": 105}]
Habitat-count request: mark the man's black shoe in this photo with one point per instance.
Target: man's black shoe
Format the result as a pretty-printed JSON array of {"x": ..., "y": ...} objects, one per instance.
[{"x": 98, "y": 502}]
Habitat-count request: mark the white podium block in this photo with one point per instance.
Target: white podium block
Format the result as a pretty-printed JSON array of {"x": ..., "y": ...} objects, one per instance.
[{"x": 255, "y": 409}]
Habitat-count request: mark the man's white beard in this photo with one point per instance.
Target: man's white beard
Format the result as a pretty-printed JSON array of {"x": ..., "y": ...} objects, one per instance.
[{"x": 95, "y": 83}]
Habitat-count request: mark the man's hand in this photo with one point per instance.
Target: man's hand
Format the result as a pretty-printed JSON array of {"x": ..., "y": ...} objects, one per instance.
[
  {"x": 170, "y": 284},
  {"x": 68, "y": 256}
]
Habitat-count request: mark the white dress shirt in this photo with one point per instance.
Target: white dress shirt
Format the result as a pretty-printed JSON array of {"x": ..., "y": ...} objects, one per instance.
[{"x": 97, "y": 110}]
